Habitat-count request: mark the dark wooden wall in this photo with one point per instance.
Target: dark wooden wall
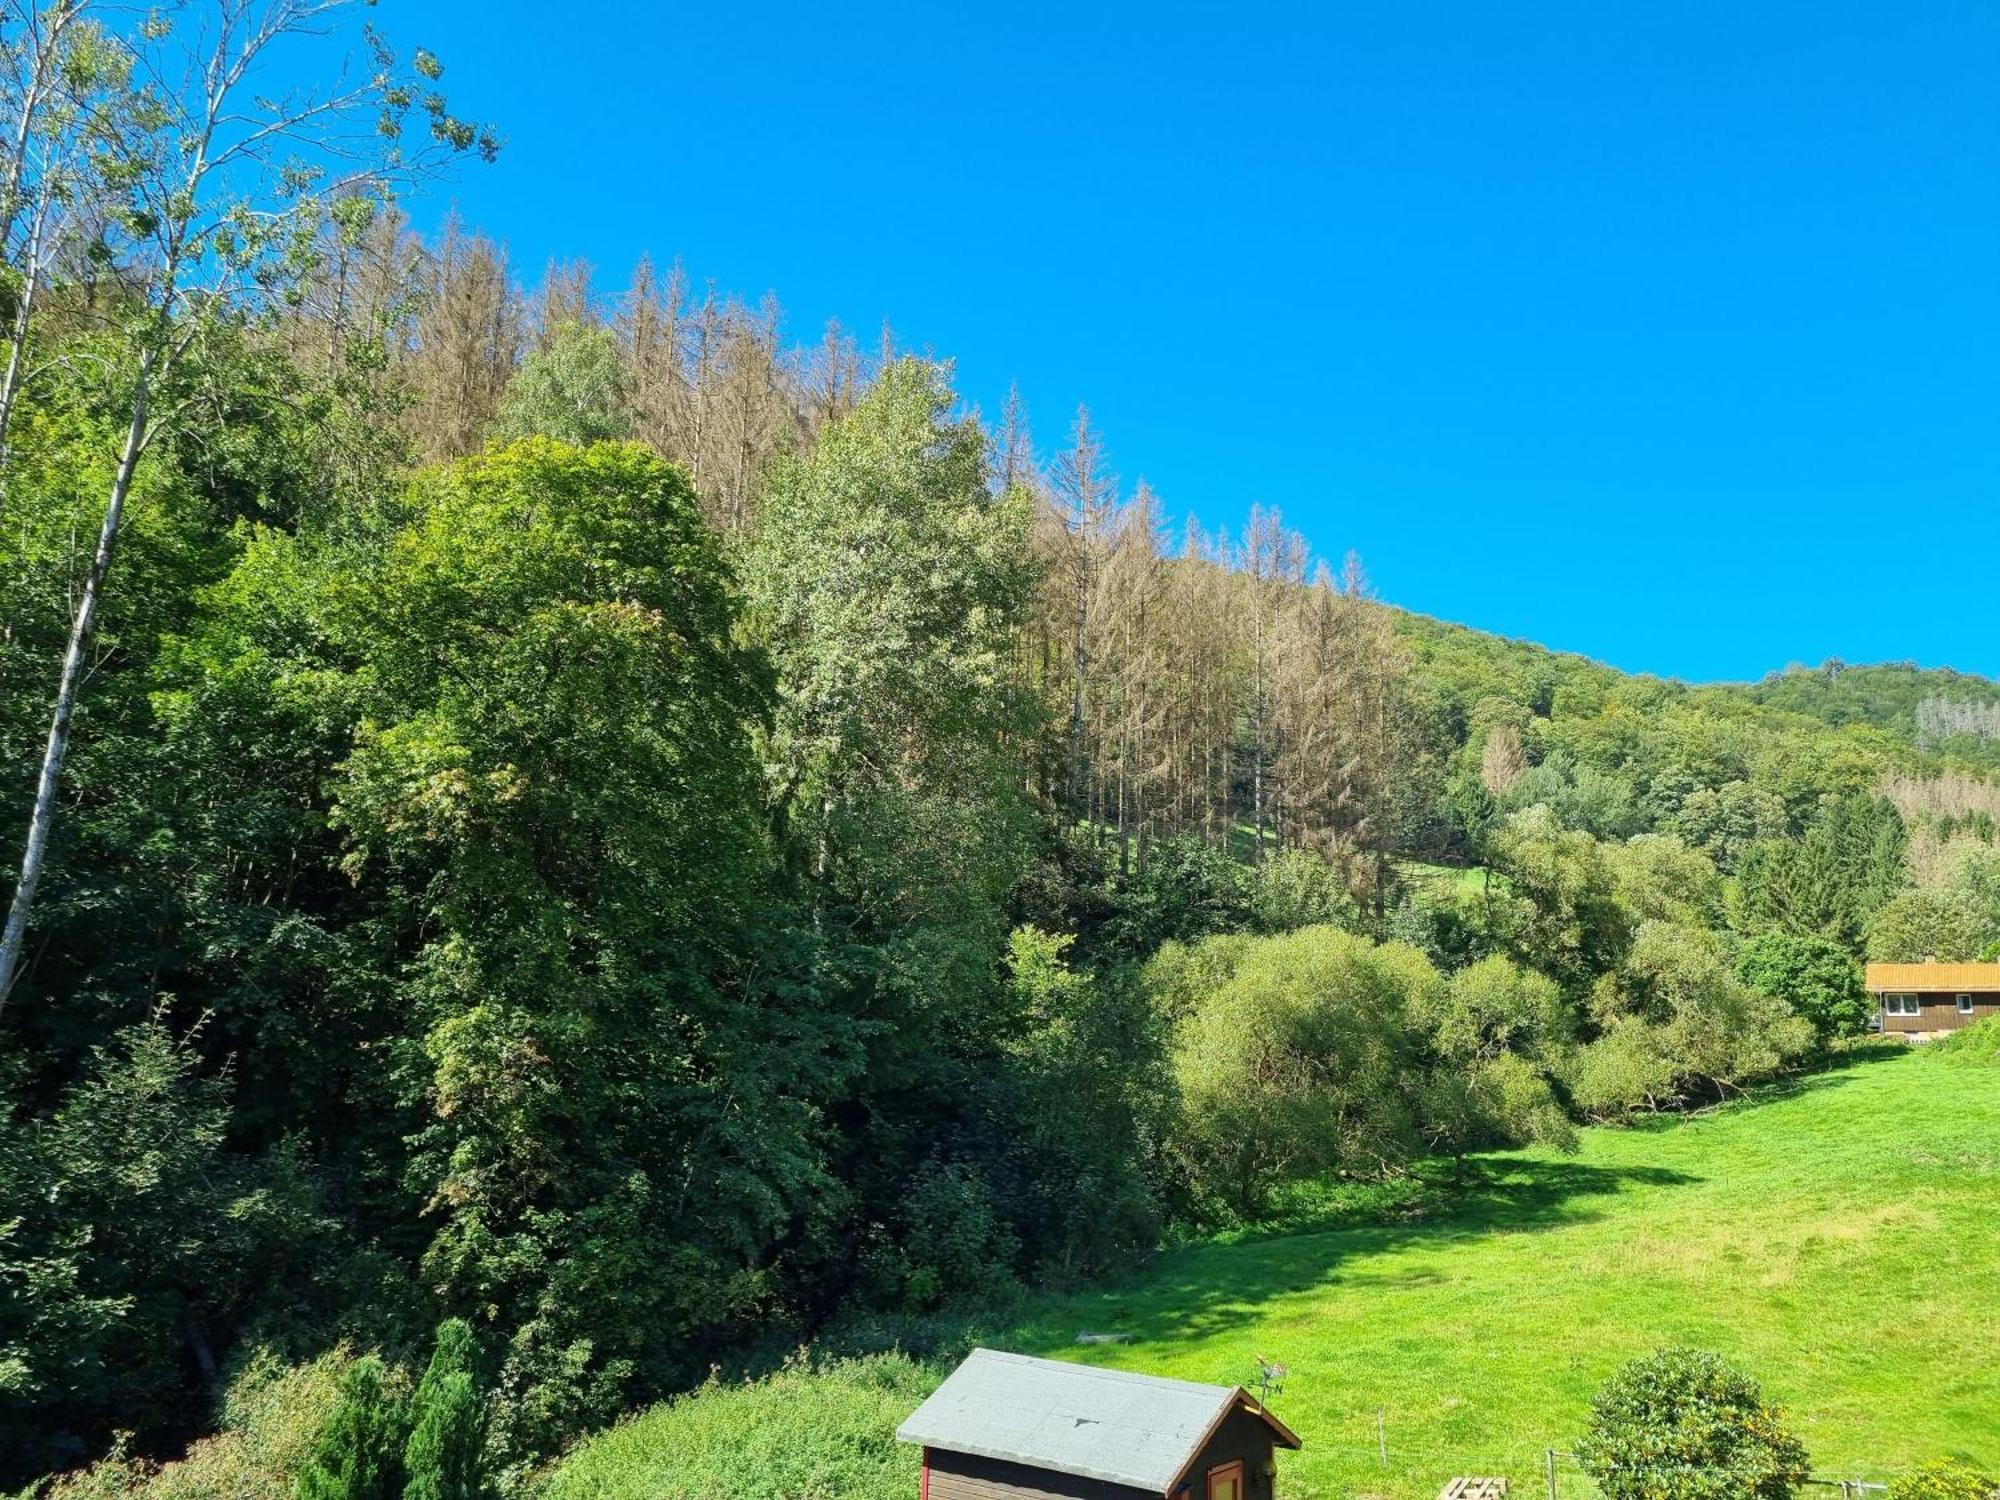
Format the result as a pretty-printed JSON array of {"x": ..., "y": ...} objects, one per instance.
[
  {"x": 962, "y": 1476},
  {"x": 1241, "y": 1436},
  {"x": 1940, "y": 1013}
]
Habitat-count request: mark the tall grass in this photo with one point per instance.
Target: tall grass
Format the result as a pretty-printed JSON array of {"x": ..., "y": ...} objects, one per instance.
[{"x": 809, "y": 1432}]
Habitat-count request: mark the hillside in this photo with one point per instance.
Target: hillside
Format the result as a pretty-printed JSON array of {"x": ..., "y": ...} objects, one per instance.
[
  {"x": 1934, "y": 709},
  {"x": 1834, "y": 1240}
]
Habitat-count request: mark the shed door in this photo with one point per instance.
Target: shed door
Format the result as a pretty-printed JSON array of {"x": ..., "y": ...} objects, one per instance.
[{"x": 1225, "y": 1481}]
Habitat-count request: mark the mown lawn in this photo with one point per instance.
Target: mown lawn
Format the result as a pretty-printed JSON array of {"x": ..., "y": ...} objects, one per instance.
[{"x": 1841, "y": 1241}]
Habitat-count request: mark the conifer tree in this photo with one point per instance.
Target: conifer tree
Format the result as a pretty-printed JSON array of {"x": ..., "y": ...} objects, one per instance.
[
  {"x": 356, "y": 1456},
  {"x": 448, "y": 1424}
]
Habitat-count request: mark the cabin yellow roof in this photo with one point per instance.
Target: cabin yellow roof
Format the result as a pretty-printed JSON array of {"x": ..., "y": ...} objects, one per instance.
[{"x": 1932, "y": 977}]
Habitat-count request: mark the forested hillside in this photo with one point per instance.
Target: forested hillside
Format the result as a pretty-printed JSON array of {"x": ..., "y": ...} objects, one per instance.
[
  {"x": 1937, "y": 708},
  {"x": 565, "y": 812}
]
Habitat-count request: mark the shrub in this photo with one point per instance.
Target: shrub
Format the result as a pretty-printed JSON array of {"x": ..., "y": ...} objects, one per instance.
[
  {"x": 1496, "y": 1006},
  {"x": 1626, "y": 1070},
  {"x": 1296, "y": 888},
  {"x": 1086, "y": 1080},
  {"x": 1978, "y": 1044},
  {"x": 272, "y": 1418},
  {"x": 949, "y": 1243},
  {"x": 1678, "y": 1020},
  {"x": 808, "y": 1430},
  {"x": 1681, "y": 1424},
  {"x": 1945, "y": 1479}
]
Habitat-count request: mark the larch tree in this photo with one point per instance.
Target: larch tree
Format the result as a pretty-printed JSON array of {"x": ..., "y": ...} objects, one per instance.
[
  {"x": 1270, "y": 563},
  {"x": 648, "y": 322},
  {"x": 1084, "y": 496},
  {"x": 467, "y": 339}
]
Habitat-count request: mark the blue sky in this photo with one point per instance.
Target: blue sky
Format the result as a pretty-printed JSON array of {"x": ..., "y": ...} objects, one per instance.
[{"x": 1665, "y": 333}]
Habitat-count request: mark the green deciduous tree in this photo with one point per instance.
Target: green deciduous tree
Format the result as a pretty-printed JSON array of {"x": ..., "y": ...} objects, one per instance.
[
  {"x": 573, "y": 388},
  {"x": 1304, "y": 1058},
  {"x": 1496, "y": 1006},
  {"x": 214, "y": 192},
  {"x": 1559, "y": 909},
  {"x": 1942, "y": 923},
  {"x": 551, "y": 783},
  {"x": 1815, "y": 976},
  {"x": 888, "y": 584},
  {"x": 1677, "y": 1018}
]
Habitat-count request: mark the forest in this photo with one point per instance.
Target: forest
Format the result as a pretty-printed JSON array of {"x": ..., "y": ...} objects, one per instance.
[{"x": 559, "y": 814}]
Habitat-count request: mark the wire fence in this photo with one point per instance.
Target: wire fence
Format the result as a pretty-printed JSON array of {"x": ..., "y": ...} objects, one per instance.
[
  {"x": 1530, "y": 1472},
  {"x": 1563, "y": 1478}
]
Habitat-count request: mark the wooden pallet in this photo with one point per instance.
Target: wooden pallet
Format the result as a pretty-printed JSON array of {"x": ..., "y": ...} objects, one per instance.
[{"x": 1474, "y": 1489}]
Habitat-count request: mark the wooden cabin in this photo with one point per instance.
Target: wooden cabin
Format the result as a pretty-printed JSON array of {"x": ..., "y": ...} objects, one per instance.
[
  {"x": 1924, "y": 1000},
  {"x": 1009, "y": 1427}
]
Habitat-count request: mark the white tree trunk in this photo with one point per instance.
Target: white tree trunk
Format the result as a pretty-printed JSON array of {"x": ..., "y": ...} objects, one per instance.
[
  {"x": 81, "y": 626},
  {"x": 17, "y": 345}
]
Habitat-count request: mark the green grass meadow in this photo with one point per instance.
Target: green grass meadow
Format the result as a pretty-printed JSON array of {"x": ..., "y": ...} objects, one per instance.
[{"x": 1840, "y": 1239}]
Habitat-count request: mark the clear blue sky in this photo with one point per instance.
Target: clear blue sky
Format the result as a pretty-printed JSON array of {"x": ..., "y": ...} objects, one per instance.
[{"x": 1667, "y": 333}]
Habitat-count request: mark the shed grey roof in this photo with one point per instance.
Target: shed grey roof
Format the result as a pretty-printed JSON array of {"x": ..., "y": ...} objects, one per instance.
[{"x": 1137, "y": 1430}]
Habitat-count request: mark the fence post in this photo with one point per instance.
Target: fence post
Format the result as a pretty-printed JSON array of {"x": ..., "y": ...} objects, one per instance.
[{"x": 1552, "y": 1474}]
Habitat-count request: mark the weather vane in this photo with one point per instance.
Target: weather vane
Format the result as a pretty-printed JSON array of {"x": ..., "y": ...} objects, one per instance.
[{"x": 1270, "y": 1380}]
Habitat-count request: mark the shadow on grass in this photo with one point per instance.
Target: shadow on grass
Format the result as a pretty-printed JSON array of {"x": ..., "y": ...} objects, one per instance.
[
  {"x": 1832, "y": 1071},
  {"x": 1225, "y": 1282}
]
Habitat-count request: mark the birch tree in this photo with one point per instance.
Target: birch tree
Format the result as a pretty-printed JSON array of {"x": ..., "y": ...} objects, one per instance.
[
  {"x": 216, "y": 195},
  {"x": 56, "y": 78}
]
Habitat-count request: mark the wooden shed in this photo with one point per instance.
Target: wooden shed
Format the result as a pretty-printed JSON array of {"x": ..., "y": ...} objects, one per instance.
[
  {"x": 1928, "y": 999},
  {"x": 1010, "y": 1427}
]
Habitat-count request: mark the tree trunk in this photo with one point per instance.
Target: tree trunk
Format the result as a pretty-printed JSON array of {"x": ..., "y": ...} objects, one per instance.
[
  {"x": 81, "y": 626},
  {"x": 17, "y": 345}
]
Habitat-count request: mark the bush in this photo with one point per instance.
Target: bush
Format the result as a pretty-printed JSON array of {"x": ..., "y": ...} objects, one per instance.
[
  {"x": 1945, "y": 1479},
  {"x": 1626, "y": 1070},
  {"x": 1296, "y": 888},
  {"x": 1681, "y": 1424},
  {"x": 949, "y": 1243},
  {"x": 1496, "y": 1006},
  {"x": 1978, "y": 1044},
  {"x": 808, "y": 1430},
  {"x": 272, "y": 1418},
  {"x": 1086, "y": 1080}
]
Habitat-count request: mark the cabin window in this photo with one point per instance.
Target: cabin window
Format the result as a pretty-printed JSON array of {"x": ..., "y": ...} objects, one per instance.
[
  {"x": 1965, "y": 1005},
  {"x": 1225, "y": 1481},
  {"x": 1901, "y": 1005}
]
